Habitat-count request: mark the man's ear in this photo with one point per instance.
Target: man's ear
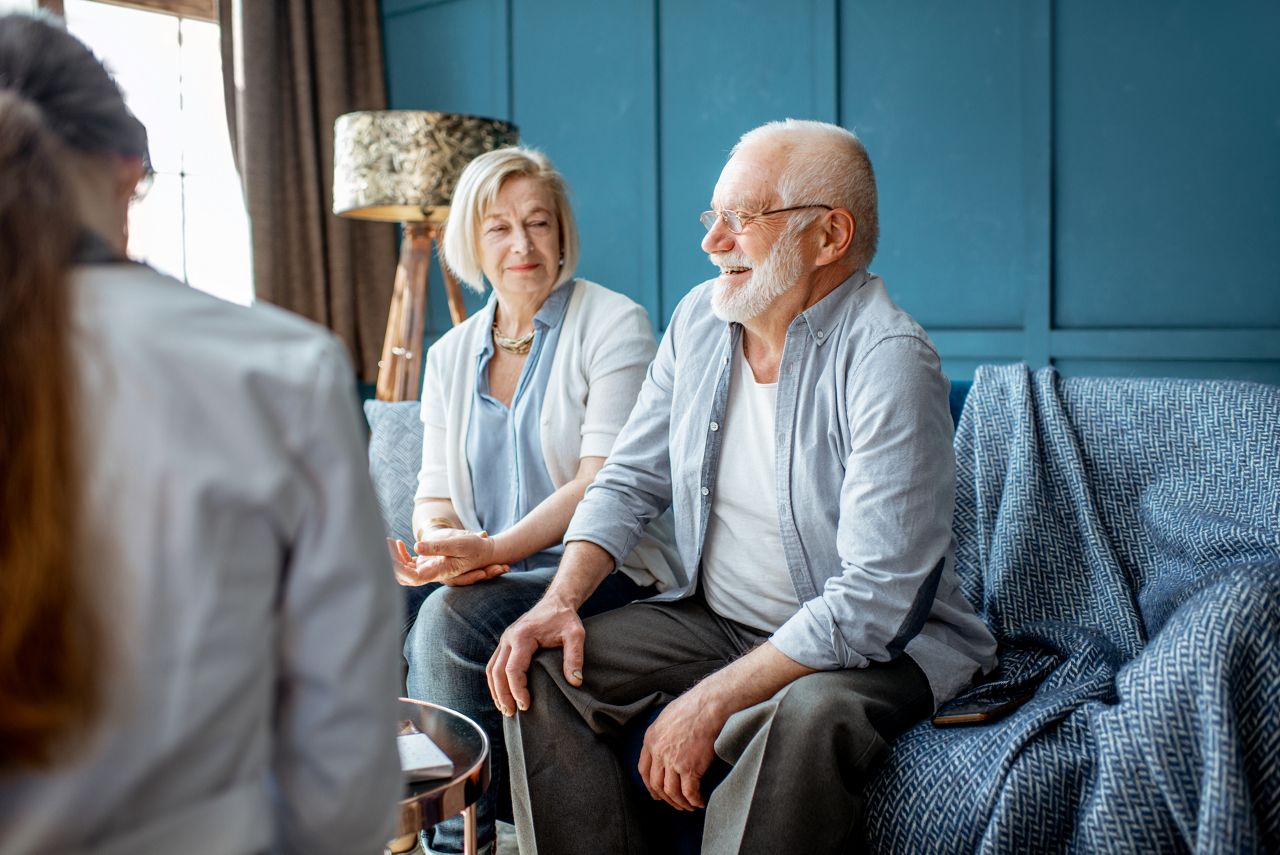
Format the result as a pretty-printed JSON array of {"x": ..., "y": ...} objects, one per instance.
[{"x": 835, "y": 236}]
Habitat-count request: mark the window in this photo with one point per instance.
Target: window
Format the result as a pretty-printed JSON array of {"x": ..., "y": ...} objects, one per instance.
[{"x": 192, "y": 223}]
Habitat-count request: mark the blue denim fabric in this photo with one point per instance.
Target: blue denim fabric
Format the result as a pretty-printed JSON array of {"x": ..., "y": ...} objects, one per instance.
[{"x": 450, "y": 644}]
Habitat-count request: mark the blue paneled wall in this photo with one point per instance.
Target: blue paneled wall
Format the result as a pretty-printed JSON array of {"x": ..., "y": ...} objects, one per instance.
[{"x": 1085, "y": 183}]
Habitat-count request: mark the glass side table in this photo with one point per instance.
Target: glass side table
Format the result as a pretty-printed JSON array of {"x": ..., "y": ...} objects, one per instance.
[{"x": 426, "y": 803}]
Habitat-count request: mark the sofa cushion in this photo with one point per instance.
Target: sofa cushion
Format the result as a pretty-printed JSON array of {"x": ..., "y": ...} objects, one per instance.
[{"x": 395, "y": 456}]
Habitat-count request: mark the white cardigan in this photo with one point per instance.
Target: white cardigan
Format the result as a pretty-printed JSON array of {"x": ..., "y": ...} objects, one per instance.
[{"x": 605, "y": 347}]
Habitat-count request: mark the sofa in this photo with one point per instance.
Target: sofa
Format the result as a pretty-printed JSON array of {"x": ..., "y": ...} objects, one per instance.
[
  {"x": 1121, "y": 537},
  {"x": 395, "y": 457}
]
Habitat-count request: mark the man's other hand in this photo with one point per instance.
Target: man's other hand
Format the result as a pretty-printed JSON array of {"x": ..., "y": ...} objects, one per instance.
[
  {"x": 550, "y": 623},
  {"x": 678, "y": 748}
]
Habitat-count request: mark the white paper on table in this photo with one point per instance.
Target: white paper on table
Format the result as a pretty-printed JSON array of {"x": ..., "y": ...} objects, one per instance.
[{"x": 421, "y": 759}]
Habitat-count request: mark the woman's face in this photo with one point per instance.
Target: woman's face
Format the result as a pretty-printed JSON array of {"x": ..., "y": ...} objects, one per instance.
[{"x": 520, "y": 240}]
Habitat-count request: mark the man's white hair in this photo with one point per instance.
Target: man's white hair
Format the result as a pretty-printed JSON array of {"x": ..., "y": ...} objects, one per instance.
[{"x": 825, "y": 164}]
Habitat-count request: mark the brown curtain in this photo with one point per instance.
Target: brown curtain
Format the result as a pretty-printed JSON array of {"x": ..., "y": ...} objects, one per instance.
[{"x": 290, "y": 68}]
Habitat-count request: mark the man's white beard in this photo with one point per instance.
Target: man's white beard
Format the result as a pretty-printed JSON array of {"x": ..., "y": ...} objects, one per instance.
[{"x": 781, "y": 269}]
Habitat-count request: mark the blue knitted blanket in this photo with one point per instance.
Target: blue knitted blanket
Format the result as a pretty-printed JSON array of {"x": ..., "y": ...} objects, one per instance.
[{"x": 1122, "y": 540}]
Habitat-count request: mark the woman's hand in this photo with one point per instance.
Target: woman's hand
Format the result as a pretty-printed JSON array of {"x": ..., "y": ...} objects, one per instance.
[
  {"x": 404, "y": 564},
  {"x": 457, "y": 557},
  {"x": 414, "y": 570}
]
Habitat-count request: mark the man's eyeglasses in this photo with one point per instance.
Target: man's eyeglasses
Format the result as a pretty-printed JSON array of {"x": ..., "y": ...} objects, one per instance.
[{"x": 737, "y": 220}]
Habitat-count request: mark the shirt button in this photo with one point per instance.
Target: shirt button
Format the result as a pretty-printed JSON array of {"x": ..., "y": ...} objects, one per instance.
[
  {"x": 706, "y": 492},
  {"x": 715, "y": 426},
  {"x": 820, "y": 333}
]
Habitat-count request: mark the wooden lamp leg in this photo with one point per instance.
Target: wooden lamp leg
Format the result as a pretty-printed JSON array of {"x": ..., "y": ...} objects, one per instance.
[
  {"x": 452, "y": 290},
  {"x": 400, "y": 368},
  {"x": 386, "y": 363}
]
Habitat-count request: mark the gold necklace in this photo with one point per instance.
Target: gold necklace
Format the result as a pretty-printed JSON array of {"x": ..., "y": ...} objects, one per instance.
[{"x": 518, "y": 346}]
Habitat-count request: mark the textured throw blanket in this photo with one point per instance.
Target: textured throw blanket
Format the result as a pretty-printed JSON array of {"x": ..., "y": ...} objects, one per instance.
[{"x": 1122, "y": 539}]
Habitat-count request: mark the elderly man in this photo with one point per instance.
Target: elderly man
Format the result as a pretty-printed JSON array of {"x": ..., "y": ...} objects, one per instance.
[{"x": 797, "y": 422}]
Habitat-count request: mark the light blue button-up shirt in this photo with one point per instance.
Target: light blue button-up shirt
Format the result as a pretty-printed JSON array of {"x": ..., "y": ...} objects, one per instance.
[
  {"x": 504, "y": 444},
  {"x": 865, "y": 480}
]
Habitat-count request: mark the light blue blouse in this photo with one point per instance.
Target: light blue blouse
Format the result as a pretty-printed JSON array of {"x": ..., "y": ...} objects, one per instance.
[{"x": 504, "y": 444}]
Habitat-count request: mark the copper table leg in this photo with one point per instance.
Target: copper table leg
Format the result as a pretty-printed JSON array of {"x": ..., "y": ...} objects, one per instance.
[{"x": 469, "y": 830}]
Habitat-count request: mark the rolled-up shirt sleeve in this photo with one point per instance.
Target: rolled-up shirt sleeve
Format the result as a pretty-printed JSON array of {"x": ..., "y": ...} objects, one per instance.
[
  {"x": 896, "y": 505},
  {"x": 634, "y": 487}
]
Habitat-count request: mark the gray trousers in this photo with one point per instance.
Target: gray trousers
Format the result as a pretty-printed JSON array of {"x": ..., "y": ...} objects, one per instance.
[{"x": 799, "y": 760}]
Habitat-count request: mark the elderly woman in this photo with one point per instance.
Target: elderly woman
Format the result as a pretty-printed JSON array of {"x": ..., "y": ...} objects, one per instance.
[{"x": 520, "y": 406}]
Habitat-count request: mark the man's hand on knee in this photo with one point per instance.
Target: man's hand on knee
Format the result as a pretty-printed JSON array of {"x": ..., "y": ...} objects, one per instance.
[
  {"x": 680, "y": 744},
  {"x": 678, "y": 748},
  {"x": 550, "y": 623}
]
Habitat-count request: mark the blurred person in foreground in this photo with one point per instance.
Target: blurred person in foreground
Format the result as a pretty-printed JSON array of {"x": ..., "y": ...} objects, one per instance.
[{"x": 195, "y": 654}]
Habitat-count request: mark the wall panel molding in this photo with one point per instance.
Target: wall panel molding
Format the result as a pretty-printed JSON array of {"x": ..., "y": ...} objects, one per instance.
[
  {"x": 1210, "y": 344},
  {"x": 1086, "y": 184},
  {"x": 392, "y": 8},
  {"x": 1038, "y": 138}
]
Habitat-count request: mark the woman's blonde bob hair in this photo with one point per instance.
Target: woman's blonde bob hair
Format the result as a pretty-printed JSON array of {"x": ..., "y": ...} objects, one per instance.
[{"x": 477, "y": 189}]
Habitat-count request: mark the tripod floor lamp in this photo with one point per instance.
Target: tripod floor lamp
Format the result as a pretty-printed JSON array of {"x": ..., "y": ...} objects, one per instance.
[{"x": 401, "y": 166}]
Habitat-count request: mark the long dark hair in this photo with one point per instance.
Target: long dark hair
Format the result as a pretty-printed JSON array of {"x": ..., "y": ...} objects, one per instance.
[{"x": 57, "y": 104}]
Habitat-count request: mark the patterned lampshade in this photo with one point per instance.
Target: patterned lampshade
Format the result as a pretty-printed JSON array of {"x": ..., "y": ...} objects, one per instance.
[{"x": 402, "y": 165}]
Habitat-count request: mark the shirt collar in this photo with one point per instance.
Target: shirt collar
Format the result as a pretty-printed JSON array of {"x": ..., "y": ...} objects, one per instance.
[
  {"x": 549, "y": 316},
  {"x": 93, "y": 248},
  {"x": 553, "y": 308},
  {"x": 823, "y": 317},
  {"x": 485, "y": 341}
]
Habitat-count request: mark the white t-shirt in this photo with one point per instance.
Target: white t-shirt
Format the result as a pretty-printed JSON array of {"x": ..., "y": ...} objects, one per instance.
[{"x": 744, "y": 570}]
